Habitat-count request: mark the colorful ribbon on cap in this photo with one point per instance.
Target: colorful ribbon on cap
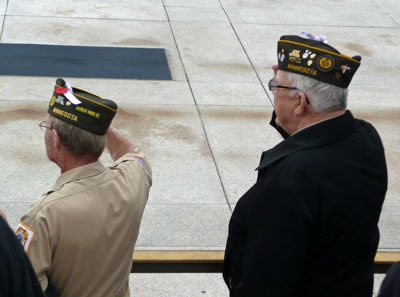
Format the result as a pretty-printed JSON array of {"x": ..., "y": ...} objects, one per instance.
[
  {"x": 320, "y": 37},
  {"x": 68, "y": 93}
]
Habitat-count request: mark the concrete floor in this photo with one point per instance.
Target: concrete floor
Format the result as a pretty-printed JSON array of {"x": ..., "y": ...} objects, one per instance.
[{"x": 203, "y": 131}]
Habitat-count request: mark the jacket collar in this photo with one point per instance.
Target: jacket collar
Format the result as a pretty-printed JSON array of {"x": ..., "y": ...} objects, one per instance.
[
  {"x": 323, "y": 133},
  {"x": 81, "y": 172}
]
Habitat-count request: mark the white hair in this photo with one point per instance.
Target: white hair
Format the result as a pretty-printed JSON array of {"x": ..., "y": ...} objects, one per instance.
[{"x": 323, "y": 97}]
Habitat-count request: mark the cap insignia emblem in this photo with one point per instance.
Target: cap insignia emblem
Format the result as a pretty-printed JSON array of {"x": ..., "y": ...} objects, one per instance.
[
  {"x": 294, "y": 56},
  {"x": 325, "y": 63}
]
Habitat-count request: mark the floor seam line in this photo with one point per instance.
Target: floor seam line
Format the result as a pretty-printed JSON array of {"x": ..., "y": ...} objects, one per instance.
[
  {"x": 198, "y": 111},
  {"x": 4, "y": 21},
  {"x": 247, "y": 55},
  {"x": 386, "y": 13}
]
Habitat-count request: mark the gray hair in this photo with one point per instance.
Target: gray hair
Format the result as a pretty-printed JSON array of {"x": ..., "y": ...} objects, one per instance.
[
  {"x": 323, "y": 97},
  {"x": 77, "y": 141}
]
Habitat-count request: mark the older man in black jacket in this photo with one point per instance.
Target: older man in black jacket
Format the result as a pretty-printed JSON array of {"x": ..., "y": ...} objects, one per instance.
[{"x": 308, "y": 226}]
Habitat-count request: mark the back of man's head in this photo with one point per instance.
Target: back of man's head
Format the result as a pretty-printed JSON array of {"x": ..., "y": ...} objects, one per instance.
[{"x": 78, "y": 142}]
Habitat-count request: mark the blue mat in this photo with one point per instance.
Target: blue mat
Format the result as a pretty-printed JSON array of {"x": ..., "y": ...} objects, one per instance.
[{"x": 83, "y": 61}]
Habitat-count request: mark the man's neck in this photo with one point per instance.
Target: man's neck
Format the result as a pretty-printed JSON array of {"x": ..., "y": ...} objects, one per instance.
[
  {"x": 315, "y": 118},
  {"x": 69, "y": 162}
]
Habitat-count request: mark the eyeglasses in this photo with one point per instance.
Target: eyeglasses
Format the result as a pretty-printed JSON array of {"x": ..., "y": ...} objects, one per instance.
[
  {"x": 42, "y": 126},
  {"x": 272, "y": 86}
]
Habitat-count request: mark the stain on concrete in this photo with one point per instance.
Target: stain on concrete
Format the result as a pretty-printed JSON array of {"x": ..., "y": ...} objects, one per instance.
[
  {"x": 65, "y": 12},
  {"x": 358, "y": 49},
  {"x": 387, "y": 123},
  {"x": 237, "y": 114},
  {"x": 29, "y": 150},
  {"x": 137, "y": 42},
  {"x": 104, "y": 6},
  {"x": 231, "y": 155},
  {"x": 58, "y": 29},
  {"x": 32, "y": 112},
  {"x": 145, "y": 126},
  {"x": 28, "y": 154},
  {"x": 388, "y": 39},
  {"x": 227, "y": 66},
  {"x": 379, "y": 117},
  {"x": 143, "y": 122},
  {"x": 255, "y": 4},
  {"x": 149, "y": 125},
  {"x": 204, "y": 148},
  {"x": 154, "y": 112}
]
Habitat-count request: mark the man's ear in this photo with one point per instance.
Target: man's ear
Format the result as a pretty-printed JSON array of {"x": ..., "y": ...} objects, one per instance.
[
  {"x": 301, "y": 103},
  {"x": 275, "y": 69},
  {"x": 56, "y": 139}
]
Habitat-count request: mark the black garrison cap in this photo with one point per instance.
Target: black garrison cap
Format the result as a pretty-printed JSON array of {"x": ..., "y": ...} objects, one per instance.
[
  {"x": 81, "y": 108},
  {"x": 316, "y": 59}
]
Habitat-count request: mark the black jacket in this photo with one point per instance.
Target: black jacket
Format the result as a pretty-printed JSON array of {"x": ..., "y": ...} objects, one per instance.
[
  {"x": 390, "y": 286},
  {"x": 17, "y": 277},
  {"x": 308, "y": 227}
]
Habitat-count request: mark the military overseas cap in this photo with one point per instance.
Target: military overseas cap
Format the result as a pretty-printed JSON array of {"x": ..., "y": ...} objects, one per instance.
[
  {"x": 81, "y": 108},
  {"x": 316, "y": 59}
]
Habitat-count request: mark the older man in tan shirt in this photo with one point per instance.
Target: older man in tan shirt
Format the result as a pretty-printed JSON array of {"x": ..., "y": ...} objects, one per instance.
[{"x": 80, "y": 236}]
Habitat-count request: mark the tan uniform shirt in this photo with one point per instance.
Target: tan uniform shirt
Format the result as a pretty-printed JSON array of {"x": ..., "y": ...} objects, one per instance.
[{"x": 80, "y": 236}]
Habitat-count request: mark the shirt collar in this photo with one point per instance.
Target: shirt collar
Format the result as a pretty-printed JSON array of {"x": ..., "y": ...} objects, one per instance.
[
  {"x": 80, "y": 172},
  {"x": 321, "y": 133}
]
